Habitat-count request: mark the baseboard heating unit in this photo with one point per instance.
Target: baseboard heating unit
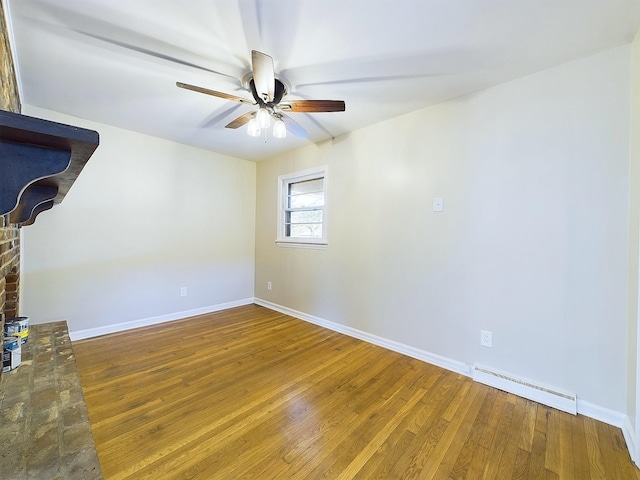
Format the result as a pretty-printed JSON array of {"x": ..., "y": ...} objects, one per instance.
[{"x": 524, "y": 388}]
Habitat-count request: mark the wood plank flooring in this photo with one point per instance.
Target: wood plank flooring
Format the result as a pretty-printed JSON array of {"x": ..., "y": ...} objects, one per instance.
[{"x": 249, "y": 393}]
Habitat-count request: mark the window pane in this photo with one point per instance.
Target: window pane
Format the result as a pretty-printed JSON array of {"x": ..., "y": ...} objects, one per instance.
[
  {"x": 305, "y": 230},
  {"x": 306, "y": 200},
  {"x": 315, "y": 185},
  {"x": 310, "y": 216},
  {"x": 309, "y": 193}
]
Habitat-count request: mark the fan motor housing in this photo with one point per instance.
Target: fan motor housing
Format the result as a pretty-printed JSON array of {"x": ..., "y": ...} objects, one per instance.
[{"x": 280, "y": 90}]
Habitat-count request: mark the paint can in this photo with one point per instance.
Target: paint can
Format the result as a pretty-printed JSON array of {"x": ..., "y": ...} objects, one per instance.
[
  {"x": 17, "y": 327},
  {"x": 11, "y": 354}
]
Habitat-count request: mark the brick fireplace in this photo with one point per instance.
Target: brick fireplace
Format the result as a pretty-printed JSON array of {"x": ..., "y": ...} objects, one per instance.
[
  {"x": 9, "y": 234},
  {"x": 9, "y": 270}
]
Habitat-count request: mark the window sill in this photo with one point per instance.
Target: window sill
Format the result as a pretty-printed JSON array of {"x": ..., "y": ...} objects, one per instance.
[{"x": 294, "y": 244}]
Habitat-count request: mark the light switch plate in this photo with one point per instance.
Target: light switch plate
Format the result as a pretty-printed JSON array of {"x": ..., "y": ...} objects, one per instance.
[{"x": 438, "y": 204}]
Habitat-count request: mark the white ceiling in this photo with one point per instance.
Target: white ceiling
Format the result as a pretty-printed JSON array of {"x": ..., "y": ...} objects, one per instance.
[{"x": 117, "y": 61}]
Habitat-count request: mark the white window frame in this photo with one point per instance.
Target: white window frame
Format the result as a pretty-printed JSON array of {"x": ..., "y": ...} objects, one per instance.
[{"x": 283, "y": 189}]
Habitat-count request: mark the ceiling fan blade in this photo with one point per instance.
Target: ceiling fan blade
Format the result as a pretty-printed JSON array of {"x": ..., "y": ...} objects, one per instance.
[
  {"x": 293, "y": 126},
  {"x": 68, "y": 18},
  {"x": 218, "y": 116},
  {"x": 313, "y": 106},
  {"x": 263, "y": 75},
  {"x": 387, "y": 78},
  {"x": 151, "y": 53},
  {"x": 213, "y": 92},
  {"x": 241, "y": 120}
]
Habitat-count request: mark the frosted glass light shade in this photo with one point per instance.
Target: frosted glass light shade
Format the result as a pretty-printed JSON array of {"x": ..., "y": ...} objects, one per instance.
[
  {"x": 253, "y": 129},
  {"x": 263, "y": 117},
  {"x": 279, "y": 129}
]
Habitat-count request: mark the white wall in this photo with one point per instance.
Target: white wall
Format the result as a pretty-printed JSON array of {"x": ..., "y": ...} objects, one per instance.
[
  {"x": 145, "y": 217},
  {"x": 634, "y": 241},
  {"x": 532, "y": 245}
]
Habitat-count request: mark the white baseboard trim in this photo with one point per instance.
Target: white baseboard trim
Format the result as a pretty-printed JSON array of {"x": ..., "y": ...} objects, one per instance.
[
  {"x": 145, "y": 322},
  {"x": 603, "y": 414},
  {"x": 588, "y": 409},
  {"x": 631, "y": 440},
  {"x": 432, "y": 358},
  {"x": 551, "y": 397}
]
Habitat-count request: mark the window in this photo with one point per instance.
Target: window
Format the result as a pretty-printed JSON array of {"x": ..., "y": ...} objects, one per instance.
[{"x": 302, "y": 209}]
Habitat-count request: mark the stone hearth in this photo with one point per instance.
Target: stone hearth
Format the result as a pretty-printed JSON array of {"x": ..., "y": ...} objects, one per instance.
[{"x": 44, "y": 426}]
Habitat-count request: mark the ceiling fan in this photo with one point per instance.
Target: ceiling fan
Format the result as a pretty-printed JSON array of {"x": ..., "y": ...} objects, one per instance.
[{"x": 268, "y": 93}]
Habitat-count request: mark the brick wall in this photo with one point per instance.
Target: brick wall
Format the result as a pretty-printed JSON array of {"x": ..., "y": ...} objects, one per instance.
[
  {"x": 9, "y": 96},
  {"x": 9, "y": 234},
  {"x": 9, "y": 269}
]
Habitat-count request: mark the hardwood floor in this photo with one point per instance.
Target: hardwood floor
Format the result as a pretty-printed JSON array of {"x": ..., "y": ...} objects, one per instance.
[{"x": 250, "y": 393}]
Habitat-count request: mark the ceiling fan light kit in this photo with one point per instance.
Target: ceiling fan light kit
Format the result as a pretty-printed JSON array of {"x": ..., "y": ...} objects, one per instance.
[
  {"x": 268, "y": 92},
  {"x": 253, "y": 129},
  {"x": 263, "y": 117},
  {"x": 279, "y": 129}
]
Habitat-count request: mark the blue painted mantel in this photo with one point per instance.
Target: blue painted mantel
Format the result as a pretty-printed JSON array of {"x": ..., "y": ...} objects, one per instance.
[{"x": 39, "y": 161}]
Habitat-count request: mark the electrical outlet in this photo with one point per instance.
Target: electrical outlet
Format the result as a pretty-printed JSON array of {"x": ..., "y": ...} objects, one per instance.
[
  {"x": 486, "y": 338},
  {"x": 183, "y": 291},
  {"x": 268, "y": 285}
]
